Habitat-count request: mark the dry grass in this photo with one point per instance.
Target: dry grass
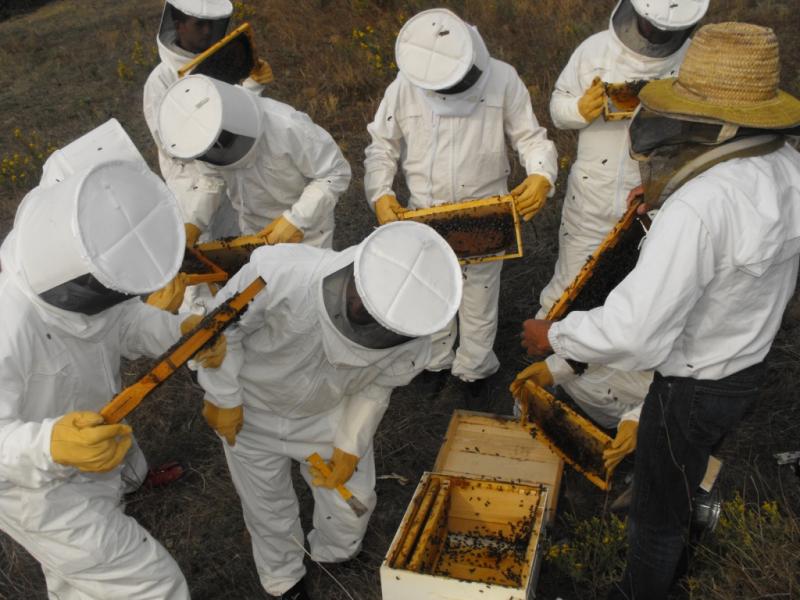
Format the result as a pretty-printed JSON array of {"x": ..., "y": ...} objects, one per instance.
[{"x": 71, "y": 64}]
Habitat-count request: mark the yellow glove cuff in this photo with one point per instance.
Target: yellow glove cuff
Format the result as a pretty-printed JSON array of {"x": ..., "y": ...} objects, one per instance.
[
  {"x": 387, "y": 209},
  {"x": 83, "y": 440},
  {"x": 227, "y": 422}
]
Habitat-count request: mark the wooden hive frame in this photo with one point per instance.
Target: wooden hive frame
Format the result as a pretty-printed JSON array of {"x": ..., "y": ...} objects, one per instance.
[
  {"x": 575, "y": 439},
  {"x": 242, "y": 30},
  {"x": 212, "y": 273},
  {"x": 233, "y": 253},
  {"x": 491, "y": 207}
]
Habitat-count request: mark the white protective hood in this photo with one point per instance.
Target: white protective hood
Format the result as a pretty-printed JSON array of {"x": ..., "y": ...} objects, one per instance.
[
  {"x": 113, "y": 220},
  {"x": 671, "y": 15},
  {"x": 197, "y": 109},
  {"x": 435, "y": 50},
  {"x": 408, "y": 278},
  {"x": 635, "y": 44},
  {"x": 105, "y": 143},
  {"x": 168, "y": 50}
]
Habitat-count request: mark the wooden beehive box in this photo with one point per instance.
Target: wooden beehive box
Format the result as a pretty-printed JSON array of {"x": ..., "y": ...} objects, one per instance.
[{"x": 473, "y": 527}]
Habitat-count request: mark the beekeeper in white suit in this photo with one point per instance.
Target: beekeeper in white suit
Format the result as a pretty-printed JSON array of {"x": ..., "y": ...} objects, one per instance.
[
  {"x": 99, "y": 230},
  {"x": 310, "y": 368},
  {"x": 716, "y": 271},
  {"x": 645, "y": 40},
  {"x": 189, "y": 27},
  {"x": 283, "y": 173},
  {"x": 445, "y": 119}
]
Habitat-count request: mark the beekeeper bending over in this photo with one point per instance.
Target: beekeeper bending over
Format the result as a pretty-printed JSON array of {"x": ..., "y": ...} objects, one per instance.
[
  {"x": 704, "y": 302},
  {"x": 91, "y": 237},
  {"x": 310, "y": 368},
  {"x": 282, "y": 172},
  {"x": 445, "y": 119},
  {"x": 189, "y": 27},
  {"x": 645, "y": 40}
]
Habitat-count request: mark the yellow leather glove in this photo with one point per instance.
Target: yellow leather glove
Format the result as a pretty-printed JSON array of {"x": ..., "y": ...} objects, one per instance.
[
  {"x": 342, "y": 464},
  {"x": 623, "y": 444},
  {"x": 387, "y": 208},
  {"x": 211, "y": 356},
  {"x": 591, "y": 103},
  {"x": 84, "y": 441},
  {"x": 280, "y": 231},
  {"x": 538, "y": 373},
  {"x": 169, "y": 297},
  {"x": 192, "y": 233},
  {"x": 262, "y": 72},
  {"x": 530, "y": 195},
  {"x": 227, "y": 422}
]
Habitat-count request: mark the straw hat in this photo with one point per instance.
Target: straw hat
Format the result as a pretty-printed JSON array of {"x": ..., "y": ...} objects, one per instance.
[{"x": 730, "y": 74}]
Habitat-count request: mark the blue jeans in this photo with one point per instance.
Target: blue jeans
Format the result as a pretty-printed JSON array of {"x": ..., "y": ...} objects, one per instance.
[{"x": 683, "y": 421}]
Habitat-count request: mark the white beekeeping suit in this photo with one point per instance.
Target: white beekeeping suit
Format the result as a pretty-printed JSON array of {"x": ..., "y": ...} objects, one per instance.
[
  {"x": 603, "y": 173},
  {"x": 451, "y": 147},
  {"x": 99, "y": 230},
  {"x": 200, "y": 192},
  {"x": 312, "y": 379},
  {"x": 283, "y": 173}
]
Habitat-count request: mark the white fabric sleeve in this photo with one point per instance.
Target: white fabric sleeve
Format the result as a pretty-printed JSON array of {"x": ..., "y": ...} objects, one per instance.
[
  {"x": 221, "y": 385},
  {"x": 632, "y": 415},
  {"x": 320, "y": 160},
  {"x": 383, "y": 153},
  {"x": 24, "y": 445},
  {"x": 25, "y": 454},
  {"x": 643, "y": 316},
  {"x": 362, "y": 414},
  {"x": 198, "y": 189},
  {"x": 569, "y": 88},
  {"x": 536, "y": 153},
  {"x": 147, "y": 330},
  {"x": 251, "y": 85}
]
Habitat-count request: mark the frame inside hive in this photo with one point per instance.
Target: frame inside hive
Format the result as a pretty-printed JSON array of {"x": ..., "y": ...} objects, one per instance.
[{"x": 471, "y": 530}]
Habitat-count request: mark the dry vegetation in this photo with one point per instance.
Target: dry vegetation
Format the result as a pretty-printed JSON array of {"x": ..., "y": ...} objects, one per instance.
[{"x": 69, "y": 65}]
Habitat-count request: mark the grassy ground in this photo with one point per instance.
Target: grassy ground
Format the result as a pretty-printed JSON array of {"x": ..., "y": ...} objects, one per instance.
[{"x": 69, "y": 65}]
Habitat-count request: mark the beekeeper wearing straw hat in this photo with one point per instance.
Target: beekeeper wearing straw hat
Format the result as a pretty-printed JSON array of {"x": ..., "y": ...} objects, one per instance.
[
  {"x": 445, "y": 119},
  {"x": 645, "y": 40},
  {"x": 717, "y": 268},
  {"x": 99, "y": 230},
  {"x": 310, "y": 368}
]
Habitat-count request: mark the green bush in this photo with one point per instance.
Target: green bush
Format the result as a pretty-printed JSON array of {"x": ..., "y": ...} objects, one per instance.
[{"x": 753, "y": 553}]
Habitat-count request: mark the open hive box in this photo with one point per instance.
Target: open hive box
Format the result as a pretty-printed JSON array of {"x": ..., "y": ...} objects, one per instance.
[
  {"x": 477, "y": 230},
  {"x": 473, "y": 527}
]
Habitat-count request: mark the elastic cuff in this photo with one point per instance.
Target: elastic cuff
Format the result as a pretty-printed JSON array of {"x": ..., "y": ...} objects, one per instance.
[
  {"x": 287, "y": 214},
  {"x": 555, "y": 343}
]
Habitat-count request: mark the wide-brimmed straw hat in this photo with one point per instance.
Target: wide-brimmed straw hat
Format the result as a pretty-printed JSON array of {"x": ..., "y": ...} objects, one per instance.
[{"x": 730, "y": 74}]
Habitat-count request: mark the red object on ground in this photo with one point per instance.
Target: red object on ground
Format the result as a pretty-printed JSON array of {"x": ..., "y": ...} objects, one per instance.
[{"x": 165, "y": 474}]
